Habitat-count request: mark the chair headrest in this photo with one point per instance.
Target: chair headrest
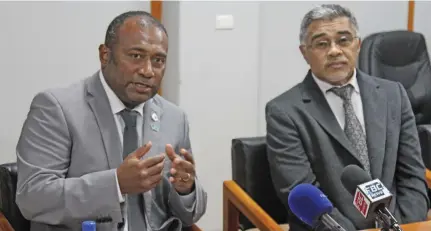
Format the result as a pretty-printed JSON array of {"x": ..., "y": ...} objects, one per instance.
[{"x": 398, "y": 48}]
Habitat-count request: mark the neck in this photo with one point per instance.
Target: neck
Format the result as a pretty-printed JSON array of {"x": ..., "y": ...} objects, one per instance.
[
  {"x": 129, "y": 105},
  {"x": 339, "y": 82}
]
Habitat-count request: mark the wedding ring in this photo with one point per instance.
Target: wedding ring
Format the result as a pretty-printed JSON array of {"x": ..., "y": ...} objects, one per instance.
[{"x": 186, "y": 179}]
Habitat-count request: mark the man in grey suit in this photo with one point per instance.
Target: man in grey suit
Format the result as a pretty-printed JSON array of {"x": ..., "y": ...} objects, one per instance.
[
  {"x": 340, "y": 116},
  {"x": 109, "y": 148}
]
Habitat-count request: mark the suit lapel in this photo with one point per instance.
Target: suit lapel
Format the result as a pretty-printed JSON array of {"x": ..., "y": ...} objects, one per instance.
[
  {"x": 99, "y": 104},
  {"x": 375, "y": 112},
  {"x": 151, "y": 126},
  {"x": 318, "y": 107},
  {"x": 151, "y": 132}
]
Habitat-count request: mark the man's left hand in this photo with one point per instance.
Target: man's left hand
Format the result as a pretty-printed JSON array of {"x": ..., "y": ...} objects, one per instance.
[{"x": 182, "y": 170}]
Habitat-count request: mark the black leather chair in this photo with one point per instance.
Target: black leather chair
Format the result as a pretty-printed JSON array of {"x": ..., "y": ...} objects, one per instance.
[
  {"x": 8, "y": 180},
  {"x": 402, "y": 56},
  {"x": 250, "y": 170}
]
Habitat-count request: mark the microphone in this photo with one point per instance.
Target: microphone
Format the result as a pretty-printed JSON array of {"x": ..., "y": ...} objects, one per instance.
[
  {"x": 371, "y": 197},
  {"x": 310, "y": 205}
]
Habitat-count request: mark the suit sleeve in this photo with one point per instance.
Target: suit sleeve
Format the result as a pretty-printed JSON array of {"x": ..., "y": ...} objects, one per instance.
[
  {"x": 44, "y": 192},
  {"x": 412, "y": 199},
  {"x": 289, "y": 163},
  {"x": 188, "y": 213}
]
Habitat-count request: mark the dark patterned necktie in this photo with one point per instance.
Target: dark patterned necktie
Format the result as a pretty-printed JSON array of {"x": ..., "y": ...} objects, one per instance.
[
  {"x": 352, "y": 126},
  {"x": 135, "y": 211}
]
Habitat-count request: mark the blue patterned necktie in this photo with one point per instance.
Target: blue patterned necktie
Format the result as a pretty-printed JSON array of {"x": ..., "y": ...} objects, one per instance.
[
  {"x": 135, "y": 211},
  {"x": 352, "y": 126}
]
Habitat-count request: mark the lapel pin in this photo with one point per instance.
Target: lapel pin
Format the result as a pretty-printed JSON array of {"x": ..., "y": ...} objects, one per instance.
[
  {"x": 154, "y": 117},
  {"x": 155, "y": 127}
]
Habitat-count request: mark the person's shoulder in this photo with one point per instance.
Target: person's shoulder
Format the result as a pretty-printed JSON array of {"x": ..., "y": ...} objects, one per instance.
[
  {"x": 167, "y": 106},
  {"x": 381, "y": 82},
  {"x": 392, "y": 89},
  {"x": 288, "y": 98},
  {"x": 62, "y": 94}
]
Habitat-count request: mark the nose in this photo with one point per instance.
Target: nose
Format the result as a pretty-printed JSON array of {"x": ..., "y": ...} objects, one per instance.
[
  {"x": 334, "y": 50},
  {"x": 147, "y": 69}
]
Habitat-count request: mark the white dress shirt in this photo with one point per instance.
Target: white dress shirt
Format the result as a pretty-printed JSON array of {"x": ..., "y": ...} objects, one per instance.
[
  {"x": 336, "y": 103},
  {"x": 117, "y": 106}
]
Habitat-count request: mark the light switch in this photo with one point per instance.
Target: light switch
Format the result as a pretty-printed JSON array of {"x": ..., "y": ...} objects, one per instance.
[{"x": 224, "y": 22}]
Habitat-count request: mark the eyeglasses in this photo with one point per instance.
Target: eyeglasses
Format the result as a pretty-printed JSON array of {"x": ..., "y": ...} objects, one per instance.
[{"x": 324, "y": 44}]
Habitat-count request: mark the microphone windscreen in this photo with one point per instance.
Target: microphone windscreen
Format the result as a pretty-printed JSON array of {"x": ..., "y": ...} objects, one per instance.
[
  {"x": 352, "y": 176},
  {"x": 308, "y": 203}
]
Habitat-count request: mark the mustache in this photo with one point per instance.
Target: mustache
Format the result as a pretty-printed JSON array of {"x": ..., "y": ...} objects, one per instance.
[{"x": 336, "y": 62}]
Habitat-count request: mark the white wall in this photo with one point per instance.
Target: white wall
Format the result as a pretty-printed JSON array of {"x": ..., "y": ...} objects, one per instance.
[
  {"x": 223, "y": 78},
  {"x": 171, "y": 14},
  {"x": 47, "y": 44},
  {"x": 218, "y": 89}
]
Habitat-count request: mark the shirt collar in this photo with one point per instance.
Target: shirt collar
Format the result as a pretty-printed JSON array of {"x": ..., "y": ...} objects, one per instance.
[
  {"x": 325, "y": 86},
  {"x": 116, "y": 104}
]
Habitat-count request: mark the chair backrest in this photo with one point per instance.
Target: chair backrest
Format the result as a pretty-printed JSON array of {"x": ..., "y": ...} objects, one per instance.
[
  {"x": 250, "y": 170},
  {"x": 401, "y": 56},
  {"x": 8, "y": 181}
]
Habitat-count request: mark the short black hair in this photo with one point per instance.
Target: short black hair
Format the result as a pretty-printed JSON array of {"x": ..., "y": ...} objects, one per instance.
[{"x": 111, "y": 36}]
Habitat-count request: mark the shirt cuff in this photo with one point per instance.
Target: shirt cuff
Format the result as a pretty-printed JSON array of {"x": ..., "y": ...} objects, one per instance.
[
  {"x": 189, "y": 199},
  {"x": 120, "y": 196}
]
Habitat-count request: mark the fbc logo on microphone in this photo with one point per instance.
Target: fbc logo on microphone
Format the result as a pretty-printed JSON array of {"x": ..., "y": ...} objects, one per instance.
[
  {"x": 372, "y": 193},
  {"x": 374, "y": 190},
  {"x": 361, "y": 203}
]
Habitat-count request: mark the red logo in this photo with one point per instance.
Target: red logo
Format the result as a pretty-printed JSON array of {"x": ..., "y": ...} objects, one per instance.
[{"x": 361, "y": 204}]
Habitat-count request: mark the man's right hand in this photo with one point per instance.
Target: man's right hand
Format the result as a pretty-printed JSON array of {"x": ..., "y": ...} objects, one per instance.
[{"x": 136, "y": 175}]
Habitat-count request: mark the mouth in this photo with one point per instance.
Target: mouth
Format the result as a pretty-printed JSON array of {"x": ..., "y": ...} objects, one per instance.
[
  {"x": 142, "y": 88},
  {"x": 337, "y": 65}
]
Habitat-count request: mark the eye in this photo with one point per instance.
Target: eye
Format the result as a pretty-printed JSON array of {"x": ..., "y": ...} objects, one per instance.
[
  {"x": 321, "y": 44},
  {"x": 136, "y": 56},
  {"x": 159, "y": 60},
  {"x": 345, "y": 40}
]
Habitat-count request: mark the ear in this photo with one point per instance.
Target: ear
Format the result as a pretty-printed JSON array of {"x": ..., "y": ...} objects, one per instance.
[
  {"x": 104, "y": 55},
  {"x": 359, "y": 44},
  {"x": 303, "y": 50}
]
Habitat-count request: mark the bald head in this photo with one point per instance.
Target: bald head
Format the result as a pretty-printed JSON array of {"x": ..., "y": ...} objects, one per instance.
[{"x": 143, "y": 18}]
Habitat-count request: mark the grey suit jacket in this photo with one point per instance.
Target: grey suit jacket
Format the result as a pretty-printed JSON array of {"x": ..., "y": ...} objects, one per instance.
[
  {"x": 307, "y": 145},
  {"x": 68, "y": 153}
]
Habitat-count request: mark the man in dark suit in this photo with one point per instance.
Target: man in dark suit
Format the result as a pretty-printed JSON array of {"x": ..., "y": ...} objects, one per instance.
[
  {"x": 340, "y": 116},
  {"x": 109, "y": 148}
]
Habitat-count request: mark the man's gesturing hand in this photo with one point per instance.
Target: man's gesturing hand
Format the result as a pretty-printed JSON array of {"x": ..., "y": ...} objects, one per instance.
[
  {"x": 182, "y": 170},
  {"x": 136, "y": 175}
]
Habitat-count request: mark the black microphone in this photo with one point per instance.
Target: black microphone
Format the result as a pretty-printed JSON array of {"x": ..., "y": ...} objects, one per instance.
[{"x": 371, "y": 197}]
